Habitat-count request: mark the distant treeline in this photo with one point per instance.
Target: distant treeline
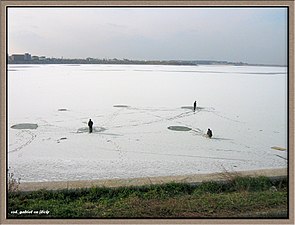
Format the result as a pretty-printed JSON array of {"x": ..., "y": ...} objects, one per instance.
[
  {"x": 132, "y": 62},
  {"x": 124, "y": 61}
]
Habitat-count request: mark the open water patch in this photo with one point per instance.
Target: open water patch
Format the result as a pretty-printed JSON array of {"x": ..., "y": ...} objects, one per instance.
[
  {"x": 25, "y": 126},
  {"x": 179, "y": 128},
  {"x": 121, "y": 106},
  {"x": 94, "y": 130}
]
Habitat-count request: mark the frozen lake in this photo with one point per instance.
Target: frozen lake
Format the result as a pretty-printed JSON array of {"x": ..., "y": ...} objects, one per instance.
[{"x": 132, "y": 108}]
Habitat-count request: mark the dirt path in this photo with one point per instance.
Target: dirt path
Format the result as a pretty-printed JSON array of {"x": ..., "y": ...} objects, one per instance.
[{"x": 194, "y": 179}]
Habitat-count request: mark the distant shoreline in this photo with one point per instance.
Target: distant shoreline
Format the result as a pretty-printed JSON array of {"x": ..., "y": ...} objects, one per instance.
[
  {"x": 142, "y": 64},
  {"x": 138, "y": 62},
  {"x": 73, "y": 63}
]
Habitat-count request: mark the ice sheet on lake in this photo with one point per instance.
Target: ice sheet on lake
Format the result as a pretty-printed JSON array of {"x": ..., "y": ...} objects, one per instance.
[{"x": 132, "y": 107}]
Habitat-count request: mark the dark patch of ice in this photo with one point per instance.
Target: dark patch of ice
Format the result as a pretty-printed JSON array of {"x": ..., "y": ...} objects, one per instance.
[
  {"x": 62, "y": 110},
  {"x": 25, "y": 126},
  {"x": 94, "y": 129},
  {"x": 121, "y": 106},
  {"x": 179, "y": 128}
]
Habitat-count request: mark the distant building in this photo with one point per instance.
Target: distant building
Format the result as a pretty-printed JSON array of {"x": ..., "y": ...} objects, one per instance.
[
  {"x": 17, "y": 57},
  {"x": 20, "y": 57},
  {"x": 27, "y": 57},
  {"x": 90, "y": 59},
  {"x": 34, "y": 57}
]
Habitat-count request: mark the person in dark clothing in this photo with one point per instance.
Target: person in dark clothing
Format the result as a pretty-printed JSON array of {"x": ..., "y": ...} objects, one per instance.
[
  {"x": 90, "y": 124},
  {"x": 195, "y": 106},
  {"x": 209, "y": 133}
]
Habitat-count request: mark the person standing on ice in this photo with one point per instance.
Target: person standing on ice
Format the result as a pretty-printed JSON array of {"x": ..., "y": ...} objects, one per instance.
[
  {"x": 90, "y": 124},
  {"x": 195, "y": 106},
  {"x": 209, "y": 133}
]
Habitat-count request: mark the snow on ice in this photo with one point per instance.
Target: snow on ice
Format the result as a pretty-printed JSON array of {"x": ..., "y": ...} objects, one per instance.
[{"x": 144, "y": 123}]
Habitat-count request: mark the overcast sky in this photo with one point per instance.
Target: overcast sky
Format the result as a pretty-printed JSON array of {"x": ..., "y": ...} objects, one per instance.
[{"x": 252, "y": 35}]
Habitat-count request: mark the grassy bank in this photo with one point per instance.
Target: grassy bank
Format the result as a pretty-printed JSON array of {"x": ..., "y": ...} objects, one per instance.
[{"x": 241, "y": 197}]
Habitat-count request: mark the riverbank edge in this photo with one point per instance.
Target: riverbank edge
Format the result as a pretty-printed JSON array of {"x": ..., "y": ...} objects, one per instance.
[{"x": 128, "y": 182}]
